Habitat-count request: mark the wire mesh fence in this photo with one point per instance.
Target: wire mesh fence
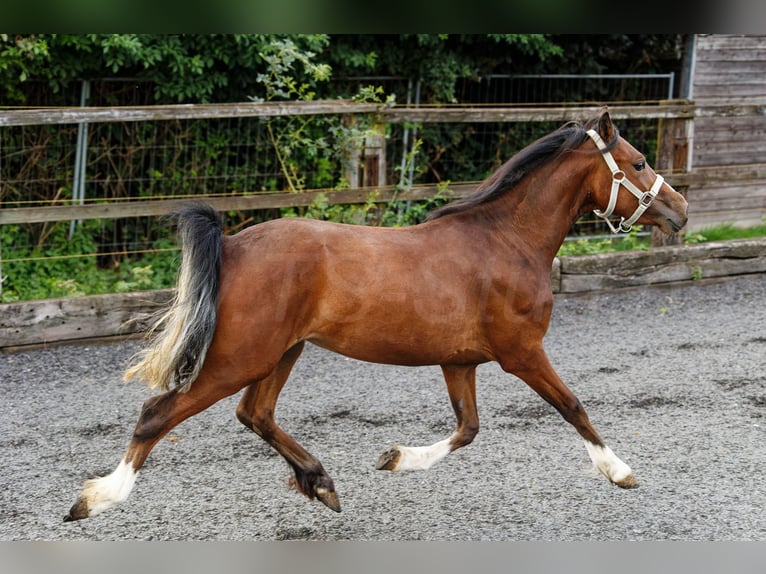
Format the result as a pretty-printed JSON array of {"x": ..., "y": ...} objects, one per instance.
[{"x": 125, "y": 161}]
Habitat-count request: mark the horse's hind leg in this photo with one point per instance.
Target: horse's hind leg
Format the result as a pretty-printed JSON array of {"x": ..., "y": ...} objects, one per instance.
[
  {"x": 256, "y": 412},
  {"x": 461, "y": 386},
  {"x": 159, "y": 415},
  {"x": 535, "y": 370}
]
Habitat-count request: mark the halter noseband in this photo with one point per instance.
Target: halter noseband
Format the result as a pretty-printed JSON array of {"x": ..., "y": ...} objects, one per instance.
[{"x": 645, "y": 198}]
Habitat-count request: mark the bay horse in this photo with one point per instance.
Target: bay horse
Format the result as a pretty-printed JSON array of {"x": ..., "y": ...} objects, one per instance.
[{"x": 469, "y": 285}]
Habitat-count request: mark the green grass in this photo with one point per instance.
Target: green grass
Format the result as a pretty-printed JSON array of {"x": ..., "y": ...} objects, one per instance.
[
  {"x": 634, "y": 241},
  {"x": 587, "y": 246},
  {"x": 726, "y": 232},
  {"x": 68, "y": 268}
]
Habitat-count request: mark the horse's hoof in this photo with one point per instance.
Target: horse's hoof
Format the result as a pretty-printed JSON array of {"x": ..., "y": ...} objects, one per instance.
[
  {"x": 329, "y": 498},
  {"x": 389, "y": 460},
  {"x": 627, "y": 482},
  {"x": 78, "y": 511}
]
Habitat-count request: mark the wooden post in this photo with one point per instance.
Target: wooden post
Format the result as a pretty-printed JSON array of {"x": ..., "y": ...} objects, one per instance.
[
  {"x": 365, "y": 165},
  {"x": 351, "y": 156},
  {"x": 673, "y": 147},
  {"x": 375, "y": 157}
]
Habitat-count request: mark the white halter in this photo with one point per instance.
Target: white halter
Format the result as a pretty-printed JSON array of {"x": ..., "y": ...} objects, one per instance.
[{"x": 645, "y": 198}]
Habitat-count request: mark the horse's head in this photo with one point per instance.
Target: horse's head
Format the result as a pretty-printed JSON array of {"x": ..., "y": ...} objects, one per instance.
[{"x": 623, "y": 184}]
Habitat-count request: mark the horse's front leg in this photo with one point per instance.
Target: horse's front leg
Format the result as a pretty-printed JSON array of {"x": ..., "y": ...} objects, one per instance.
[
  {"x": 534, "y": 368},
  {"x": 461, "y": 386}
]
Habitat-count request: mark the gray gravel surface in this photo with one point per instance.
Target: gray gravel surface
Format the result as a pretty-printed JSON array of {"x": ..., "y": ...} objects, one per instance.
[{"x": 674, "y": 379}]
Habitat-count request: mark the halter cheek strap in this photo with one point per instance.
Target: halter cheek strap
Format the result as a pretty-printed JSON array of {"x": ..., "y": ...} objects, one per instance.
[{"x": 645, "y": 198}]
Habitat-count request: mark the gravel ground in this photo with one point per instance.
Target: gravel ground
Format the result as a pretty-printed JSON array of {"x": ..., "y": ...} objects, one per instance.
[{"x": 674, "y": 379}]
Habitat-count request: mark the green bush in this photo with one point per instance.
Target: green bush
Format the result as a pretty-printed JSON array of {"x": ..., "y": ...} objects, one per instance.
[{"x": 69, "y": 267}]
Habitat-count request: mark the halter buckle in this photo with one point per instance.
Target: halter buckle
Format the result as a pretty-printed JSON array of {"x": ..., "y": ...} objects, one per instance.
[{"x": 646, "y": 199}]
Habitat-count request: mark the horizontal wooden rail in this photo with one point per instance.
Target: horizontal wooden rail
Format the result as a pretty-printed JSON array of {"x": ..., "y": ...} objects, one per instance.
[
  {"x": 158, "y": 207},
  {"x": 391, "y": 114},
  {"x": 729, "y": 110},
  {"x": 682, "y": 109},
  {"x": 677, "y": 109},
  {"x": 54, "y": 116},
  {"x": 717, "y": 174},
  {"x": 116, "y": 209}
]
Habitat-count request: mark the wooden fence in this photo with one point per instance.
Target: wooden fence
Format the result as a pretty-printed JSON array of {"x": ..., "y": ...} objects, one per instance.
[{"x": 675, "y": 138}]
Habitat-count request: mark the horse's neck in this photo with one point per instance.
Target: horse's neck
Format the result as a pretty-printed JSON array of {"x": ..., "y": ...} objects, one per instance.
[{"x": 541, "y": 209}]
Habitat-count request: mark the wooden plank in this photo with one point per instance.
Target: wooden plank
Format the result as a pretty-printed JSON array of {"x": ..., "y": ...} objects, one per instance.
[
  {"x": 728, "y": 42},
  {"x": 718, "y": 108},
  {"x": 730, "y": 157},
  {"x": 733, "y": 139},
  {"x": 115, "y": 210},
  {"x": 727, "y": 217},
  {"x": 743, "y": 60},
  {"x": 662, "y": 265},
  {"x": 734, "y": 72},
  {"x": 715, "y": 101},
  {"x": 729, "y": 91},
  {"x": 51, "y": 116},
  {"x": 745, "y": 147},
  {"x": 729, "y": 190},
  {"x": 712, "y": 217},
  {"x": 739, "y": 199},
  {"x": 556, "y": 275},
  {"x": 676, "y": 109},
  {"x": 729, "y": 84},
  {"x": 72, "y": 318},
  {"x": 713, "y": 130},
  {"x": 712, "y": 124},
  {"x": 717, "y": 174},
  {"x": 707, "y": 58},
  {"x": 395, "y": 114}
]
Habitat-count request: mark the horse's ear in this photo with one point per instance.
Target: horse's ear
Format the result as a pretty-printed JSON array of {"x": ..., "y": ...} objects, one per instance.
[{"x": 605, "y": 126}]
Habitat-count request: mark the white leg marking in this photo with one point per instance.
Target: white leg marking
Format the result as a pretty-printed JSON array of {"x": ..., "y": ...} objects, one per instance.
[
  {"x": 422, "y": 457},
  {"x": 610, "y": 465},
  {"x": 103, "y": 493}
]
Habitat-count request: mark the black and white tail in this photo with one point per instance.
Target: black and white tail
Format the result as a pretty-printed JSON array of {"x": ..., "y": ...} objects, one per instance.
[{"x": 182, "y": 335}]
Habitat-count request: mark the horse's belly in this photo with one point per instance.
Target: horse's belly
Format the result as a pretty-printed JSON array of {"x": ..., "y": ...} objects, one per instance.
[{"x": 430, "y": 344}]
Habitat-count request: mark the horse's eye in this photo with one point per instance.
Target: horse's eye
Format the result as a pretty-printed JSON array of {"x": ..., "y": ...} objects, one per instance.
[{"x": 639, "y": 165}]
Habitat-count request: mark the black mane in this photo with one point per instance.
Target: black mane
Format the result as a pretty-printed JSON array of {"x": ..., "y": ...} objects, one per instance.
[{"x": 506, "y": 177}]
